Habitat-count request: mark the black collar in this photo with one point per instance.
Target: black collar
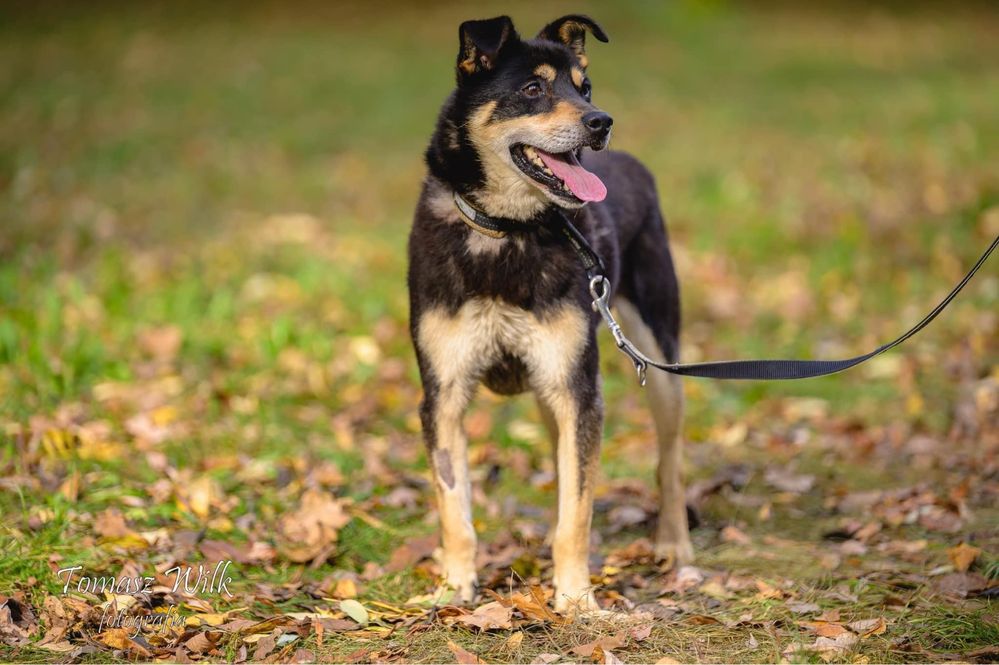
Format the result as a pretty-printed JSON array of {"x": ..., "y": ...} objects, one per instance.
[
  {"x": 498, "y": 227},
  {"x": 494, "y": 227}
]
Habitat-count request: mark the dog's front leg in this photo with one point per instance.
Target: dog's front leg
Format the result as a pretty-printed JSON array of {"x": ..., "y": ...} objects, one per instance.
[
  {"x": 449, "y": 358},
  {"x": 447, "y": 447},
  {"x": 577, "y": 411}
]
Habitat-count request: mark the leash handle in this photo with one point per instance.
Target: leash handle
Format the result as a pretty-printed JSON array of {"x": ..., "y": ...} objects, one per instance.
[{"x": 740, "y": 369}]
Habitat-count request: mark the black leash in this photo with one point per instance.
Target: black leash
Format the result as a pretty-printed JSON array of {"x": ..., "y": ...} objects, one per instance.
[
  {"x": 731, "y": 369},
  {"x": 722, "y": 369}
]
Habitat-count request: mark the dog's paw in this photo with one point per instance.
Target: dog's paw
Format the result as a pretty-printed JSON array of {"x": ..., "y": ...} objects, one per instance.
[
  {"x": 460, "y": 589},
  {"x": 576, "y": 604},
  {"x": 676, "y": 554}
]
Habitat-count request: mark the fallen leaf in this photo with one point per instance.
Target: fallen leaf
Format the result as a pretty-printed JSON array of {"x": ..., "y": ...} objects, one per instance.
[
  {"x": 824, "y": 628},
  {"x": 117, "y": 638},
  {"x": 731, "y": 534},
  {"x": 265, "y": 645},
  {"x": 489, "y": 616},
  {"x": 111, "y": 524},
  {"x": 513, "y": 642},
  {"x": 610, "y": 659},
  {"x": 463, "y": 657},
  {"x": 355, "y": 611},
  {"x": 963, "y": 556},
  {"x": 604, "y": 643},
  {"x": 303, "y": 656},
  {"x": 310, "y": 532},
  {"x": 867, "y": 627},
  {"x": 161, "y": 343},
  {"x": 545, "y": 658},
  {"x": 411, "y": 552},
  {"x": 787, "y": 481},
  {"x": 802, "y": 608},
  {"x": 202, "y": 642},
  {"x": 639, "y": 633}
]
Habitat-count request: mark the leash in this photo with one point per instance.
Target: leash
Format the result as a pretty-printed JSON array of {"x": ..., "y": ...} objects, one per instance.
[
  {"x": 732, "y": 369},
  {"x": 600, "y": 289}
]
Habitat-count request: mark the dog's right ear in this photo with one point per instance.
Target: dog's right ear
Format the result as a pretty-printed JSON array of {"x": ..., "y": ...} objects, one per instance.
[{"x": 480, "y": 44}]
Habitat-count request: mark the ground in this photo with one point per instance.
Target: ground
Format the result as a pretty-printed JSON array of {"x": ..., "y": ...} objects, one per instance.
[{"x": 204, "y": 352}]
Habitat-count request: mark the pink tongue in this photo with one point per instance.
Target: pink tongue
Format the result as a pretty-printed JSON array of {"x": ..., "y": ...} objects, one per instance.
[{"x": 585, "y": 185}]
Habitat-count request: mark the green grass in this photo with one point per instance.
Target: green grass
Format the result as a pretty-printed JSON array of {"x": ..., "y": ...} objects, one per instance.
[{"x": 247, "y": 175}]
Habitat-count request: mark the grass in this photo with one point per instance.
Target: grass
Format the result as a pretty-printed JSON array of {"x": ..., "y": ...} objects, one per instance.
[{"x": 246, "y": 174}]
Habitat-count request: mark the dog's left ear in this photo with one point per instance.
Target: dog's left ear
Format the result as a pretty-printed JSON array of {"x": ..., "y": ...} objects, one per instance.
[
  {"x": 480, "y": 43},
  {"x": 571, "y": 31}
]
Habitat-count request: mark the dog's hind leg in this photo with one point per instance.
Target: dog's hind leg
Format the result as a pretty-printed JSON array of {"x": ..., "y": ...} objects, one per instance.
[
  {"x": 665, "y": 398},
  {"x": 649, "y": 308}
]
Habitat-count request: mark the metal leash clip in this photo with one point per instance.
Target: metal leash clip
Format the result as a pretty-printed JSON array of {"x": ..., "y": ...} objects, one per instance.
[{"x": 601, "y": 304}]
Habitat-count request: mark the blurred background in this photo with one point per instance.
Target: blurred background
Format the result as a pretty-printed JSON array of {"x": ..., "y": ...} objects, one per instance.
[{"x": 203, "y": 219}]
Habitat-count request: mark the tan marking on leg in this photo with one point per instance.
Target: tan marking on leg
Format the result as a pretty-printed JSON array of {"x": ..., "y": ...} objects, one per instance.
[
  {"x": 571, "y": 542},
  {"x": 547, "y": 72},
  {"x": 551, "y": 361},
  {"x": 577, "y": 77},
  {"x": 454, "y": 360},
  {"x": 665, "y": 397}
]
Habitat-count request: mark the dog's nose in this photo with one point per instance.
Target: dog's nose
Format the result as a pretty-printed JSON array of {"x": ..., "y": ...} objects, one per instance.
[{"x": 598, "y": 122}]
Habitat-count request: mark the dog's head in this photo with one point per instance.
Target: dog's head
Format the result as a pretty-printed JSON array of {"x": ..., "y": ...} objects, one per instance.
[{"x": 524, "y": 108}]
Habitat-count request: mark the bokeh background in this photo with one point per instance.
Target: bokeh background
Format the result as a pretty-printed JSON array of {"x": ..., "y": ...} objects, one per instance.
[{"x": 203, "y": 312}]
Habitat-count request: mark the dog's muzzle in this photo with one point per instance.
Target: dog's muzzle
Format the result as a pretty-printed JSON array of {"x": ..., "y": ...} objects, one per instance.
[{"x": 598, "y": 124}]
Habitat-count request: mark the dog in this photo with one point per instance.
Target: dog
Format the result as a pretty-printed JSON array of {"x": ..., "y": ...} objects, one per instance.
[{"x": 499, "y": 298}]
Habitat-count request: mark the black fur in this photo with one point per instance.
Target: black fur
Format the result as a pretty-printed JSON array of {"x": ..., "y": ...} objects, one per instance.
[{"x": 538, "y": 270}]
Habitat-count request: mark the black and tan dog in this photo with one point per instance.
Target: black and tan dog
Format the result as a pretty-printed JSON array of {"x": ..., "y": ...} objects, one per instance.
[{"x": 497, "y": 297}]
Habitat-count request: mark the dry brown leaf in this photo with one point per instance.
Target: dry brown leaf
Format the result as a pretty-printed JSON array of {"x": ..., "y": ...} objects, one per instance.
[
  {"x": 161, "y": 343},
  {"x": 609, "y": 658},
  {"x": 59, "y": 647},
  {"x": 54, "y": 616},
  {"x": 768, "y": 591},
  {"x": 411, "y": 552},
  {"x": 731, "y": 534},
  {"x": 489, "y": 616},
  {"x": 117, "y": 638},
  {"x": 311, "y": 530},
  {"x": 345, "y": 588},
  {"x": 513, "y": 642},
  {"x": 462, "y": 656},
  {"x": 303, "y": 656},
  {"x": 666, "y": 660},
  {"x": 824, "y": 628},
  {"x": 867, "y": 627},
  {"x": 604, "y": 643},
  {"x": 963, "y": 556},
  {"x": 202, "y": 642},
  {"x": 545, "y": 658},
  {"x": 265, "y": 645},
  {"x": 111, "y": 524},
  {"x": 639, "y": 633}
]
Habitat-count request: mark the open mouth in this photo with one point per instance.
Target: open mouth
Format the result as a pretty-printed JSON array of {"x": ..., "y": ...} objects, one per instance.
[{"x": 561, "y": 174}]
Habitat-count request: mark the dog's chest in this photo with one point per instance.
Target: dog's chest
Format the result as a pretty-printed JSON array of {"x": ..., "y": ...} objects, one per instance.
[{"x": 507, "y": 347}]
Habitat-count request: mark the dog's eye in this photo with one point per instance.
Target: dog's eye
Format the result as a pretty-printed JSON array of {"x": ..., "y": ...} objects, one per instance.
[
  {"x": 586, "y": 90},
  {"x": 532, "y": 89}
]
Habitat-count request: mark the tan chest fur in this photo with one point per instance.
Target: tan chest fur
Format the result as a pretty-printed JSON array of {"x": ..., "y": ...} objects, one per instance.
[{"x": 462, "y": 346}]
